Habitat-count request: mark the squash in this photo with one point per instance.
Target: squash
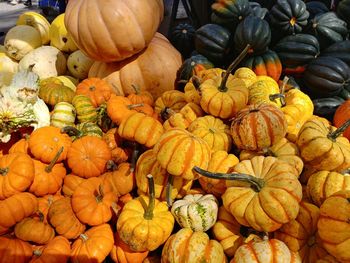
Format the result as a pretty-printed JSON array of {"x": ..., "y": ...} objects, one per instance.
[
  {"x": 264, "y": 90},
  {"x": 326, "y": 107},
  {"x": 8, "y": 68},
  {"x": 20, "y": 40},
  {"x": 315, "y": 7},
  {"x": 339, "y": 50},
  {"x": 70, "y": 183},
  {"x": 79, "y": 64},
  {"x": 63, "y": 115},
  {"x": 48, "y": 62},
  {"x": 142, "y": 70},
  {"x": 134, "y": 22},
  {"x": 13, "y": 249},
  {"x": 53, "y": 91},
  {"x": 341, "y": 115},
  {"x": 86, "y": 112},
  {"x": 182, "y": 37}
]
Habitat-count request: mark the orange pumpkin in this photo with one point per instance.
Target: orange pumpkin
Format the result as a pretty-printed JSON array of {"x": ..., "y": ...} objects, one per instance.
[
  {"x": 14, "y": 250},
  {"x": 45, "y": 202},
  {"x": 140, "y": 96},
  {"x": 88, "y": 156},
  {"x": 114, "y": 141},
  {"x": 119, "y": 108},
  {"x": 21, "y": 146},
  {"x": 341, "y": 115},
  {"x": 113, "y": 31},
  {"x": 153, "y": 70},
  {"x": 98, "y": 90},
  {"x": 70, "y": 183}
]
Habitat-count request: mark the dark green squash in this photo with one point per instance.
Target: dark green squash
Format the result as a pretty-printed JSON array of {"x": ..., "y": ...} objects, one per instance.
[
  {"x": 297, "y": 50},
  {"x": 182, "y": 38},
  {"x": 290, "y": 16},
  {"x": 257, "y": 10},
  {"x": 326, "y": 107},
  {"x": 315, "y": 7},
  {"x": 213, "y": 41},
  {"x": 190, "y": 67},
  {"x": 343, "y": 11},
  {"x": 327, "y": 77},
  {"x": 266, "y": 64},
  {"x": 328, "y": 29},
  {"x": 339, "y": 50},
  {"x": 255, "y": 32},
  {"x": 229, "y": 13}
]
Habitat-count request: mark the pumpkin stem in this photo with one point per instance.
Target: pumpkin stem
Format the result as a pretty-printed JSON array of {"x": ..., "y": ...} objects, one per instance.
[
  {"x": 133, "y": 106},
  {"x": 234, "y": 64},
  {"x": 115, "y": 208},
  {"x": 37, "y": 252},
  {"x": 71, "y": 131},
  {"x": 4, "y": 171},
  {"x": 100, "y": 195},
  {"x": 334, "y": 135},
  {"x": 41, "y": 216},
  {"x": 136, "y": 89},
  {"x": 48, "y": 168},
  {"x": 282, "y": 91},
  {"x": 111, "y": 165},
  {"x": 84, "y": 237},
  {"x": 169, "y": 188},
  {"x": 196, "y": 81},
  {"x": 148, "y": 215},
  {"x": 134, "y": 156},
  {"x": 256, "y": 183},
  {"x": 166, "y": 113},
  {"x": 273, "y": 97},
  {"x": 268, "y": 152}
]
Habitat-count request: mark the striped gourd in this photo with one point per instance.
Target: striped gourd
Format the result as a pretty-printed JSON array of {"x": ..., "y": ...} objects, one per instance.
[
  {"x": 89, "y": 128},
  {"x": 63, "y": 115},
  {"x": 86, "y": 112},
  {"x": 53, "y": 91}
]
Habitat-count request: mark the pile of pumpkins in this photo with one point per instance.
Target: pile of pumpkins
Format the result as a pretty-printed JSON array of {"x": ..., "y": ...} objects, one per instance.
[{"x": 236, "y": 167}]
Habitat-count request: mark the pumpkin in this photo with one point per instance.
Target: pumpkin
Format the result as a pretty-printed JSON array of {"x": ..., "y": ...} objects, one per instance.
[
  {"x": 53, "y": 91},
  {"x": 272, "y": 250},
  {"x": 229, "y": 232},
  {"x": 85, "y": 129},
  {"x": 98, "y": 90},
  {"x": 327, "y": 259},
  {"x": 121, "y": 178},
  {"x": 93, "y": 245},
  {"x": 333, "y": 225},
  {"x": 341, "y": 115},
  {"x": 140, "y": 96},
  {"x": 45, "y": 142},
  {"x": 56, "y": 251},
  {"x": 173, "y": 99},
  {"x": 21, "y": 146},
  {"x": 147, "y": 164},
  {"x": 34, "y": 230},
  {"x": 283, "y": 150},
  {"x": 63, "y": 219},
  {"x": 316, "y": 7},
  {"x": 63, "y": 115},
  {"x": 264, "y": 90},
  {"x": 113, "y": 140},
  {"x": 86, "y": 111},
  {"x": 182, "y": 37},
  {"x": 92, "y": 201},
  {"x": 119, "y": 108},
  {"x": 197, "y": 212},
  {"x": 9, "y": 68},
  {"x": 45, "y": 202},
  {"x": 319, "y": 143},
  {"x": 323, "y": 184},
  {"x": 142, "y": 70},
  {"x": 178, "y": 151},
  {"x": 256, "y": 191},
  {"x": 16, "y": 174},
  {"x": 222, "y": 162},
  {"x": 137, "y": 22},
  {"x": 141, "y": 128},
  {"x": 88, "y": 156},
  {"x": 16, "y": 208},
  {"x": 188, "y": 246},
  {"x": 70, "y": 183},
  {"x": 145, "y": 223},
  {"x": 47, "y": 178},
  {"x": 342, "y": 10},
  {"x": 326, "y": 107},
  {"x": 258, "y": 126},
  {"x": 246, "y": 75},
  {"x": 14, "y": 250},
  {"x": 79, "y": 64},
  {"x": 305, "y": 242},
  {"x": 339, "y": 50},
  {"x": 121, "y": 253}
]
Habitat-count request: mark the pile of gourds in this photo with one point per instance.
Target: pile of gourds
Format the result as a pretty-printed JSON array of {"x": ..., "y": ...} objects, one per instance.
[{"x": 235, "y": 168}]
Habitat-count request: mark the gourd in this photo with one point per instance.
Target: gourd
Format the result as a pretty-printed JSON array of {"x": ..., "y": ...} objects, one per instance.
[{"x": 79, "y": 64}]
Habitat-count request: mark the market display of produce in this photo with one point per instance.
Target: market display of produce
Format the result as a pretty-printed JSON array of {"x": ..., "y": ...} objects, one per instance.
[{"x": 226, "y": 143}]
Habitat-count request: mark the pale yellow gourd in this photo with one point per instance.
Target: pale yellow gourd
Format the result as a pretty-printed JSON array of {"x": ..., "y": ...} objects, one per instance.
[
  {"x": 79, "y": 64},
  {"x": 8, "y": 69},
  {"x": 59, "y": 36}
]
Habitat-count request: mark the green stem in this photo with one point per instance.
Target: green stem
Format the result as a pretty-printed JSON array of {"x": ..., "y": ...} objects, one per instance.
[
  {"x": 71, "y": 131},
  {"x": 133, "y": 106},
  {"x": 333, "y": 135},
  {"x": 148, "y": 215},
  {"x": 111, "y": 165},
  {"x": 282, "y": 91},
  {"x": 37, "y": 252},
  {"x": 4, "y": 171},
  {"x": 273, "y": 97},
  {"x": 48, "y": 168},
  {"x": 234, "y": 64},
  {"x": 256, "y": 183},
  {"x": 169, "y": 188}
]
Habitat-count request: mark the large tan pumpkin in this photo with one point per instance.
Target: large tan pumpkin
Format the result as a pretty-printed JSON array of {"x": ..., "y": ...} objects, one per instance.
[
  {"x": 112, "y": 30},
  {"x": 153, "y": 70}
]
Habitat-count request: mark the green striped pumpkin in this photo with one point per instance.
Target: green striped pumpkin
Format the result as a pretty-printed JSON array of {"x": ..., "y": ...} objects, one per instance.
[
  {"x": 89, "y": 129},
  {"x": 63, "y": 115},
  {"x": 53, "y": 91},
  {"x": 86, "y": 112},
  {"x": 198, "y": 212}
]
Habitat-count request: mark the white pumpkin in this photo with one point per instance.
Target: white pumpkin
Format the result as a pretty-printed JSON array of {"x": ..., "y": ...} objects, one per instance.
[
  {"x": 46, "y": 61},
  {"x": 37, "y": 21},
  {"x": 20, "y": 40},
  {"x": 79, "y": 64},
  {"x": 8, "y": 69},
  {"x": 59, "y": 36},
  {"x": 198, "y": 212}
]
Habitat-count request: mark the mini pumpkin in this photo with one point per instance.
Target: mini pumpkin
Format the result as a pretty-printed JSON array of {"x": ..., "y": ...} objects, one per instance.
[
  {"x": 70, "y": 183},
  {"x": 85, "y": 109},
  {"x": 13, "y": 249},
  {"x": 98, "y": 90}
]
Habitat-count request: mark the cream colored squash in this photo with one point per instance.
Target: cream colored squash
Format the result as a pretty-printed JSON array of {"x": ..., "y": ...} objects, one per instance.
[
  {"x": 20, "y": 40},
  {"x": 59, "y": 36},
  {"x": 8, "y": 68},
  {"x": 69, "y": 81},
  {"x": 37, "y": 21},
  {"x": 2, "y": 49},
  {"x": 79, "y": 64},
  {"x": 47, "y": 62}
]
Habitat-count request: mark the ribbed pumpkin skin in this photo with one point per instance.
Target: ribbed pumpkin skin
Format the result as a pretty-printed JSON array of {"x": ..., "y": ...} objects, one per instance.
[
  {"x": 333, "y": 225},
  {"x": 258, "y": 126},
  {"x": 194, "y": 247},
  {"x": 86, "y": 112},
  {"x": 70, "y": 183},
  {"x": 213, "y": 41},
  {"x": 254, "y": 31},
  {"x": 327, "y": 76},
  {"x": 297, "y": 50},
  {"x": 182, "y": 37},
  {"x": 315, "y": 7},
  {"x": 63, "y": 115},
  {"x": 125, "y": 27},
  {"x": 339, "y": 50},
  {"x": 53, "y": 91},
  {"x": 290, "y": 16},
  {"x": 323, "y": 184},
  {"x": 14, "y": 250},
  {"x": 16, "y": 208},
  {"x": 343, "y": 11},
  {"x": 266, "y": 64},
  {"x": 178, "y": 151},
  {"x": 342, "y": 114},
  {"x": 272, "y": 250}
]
